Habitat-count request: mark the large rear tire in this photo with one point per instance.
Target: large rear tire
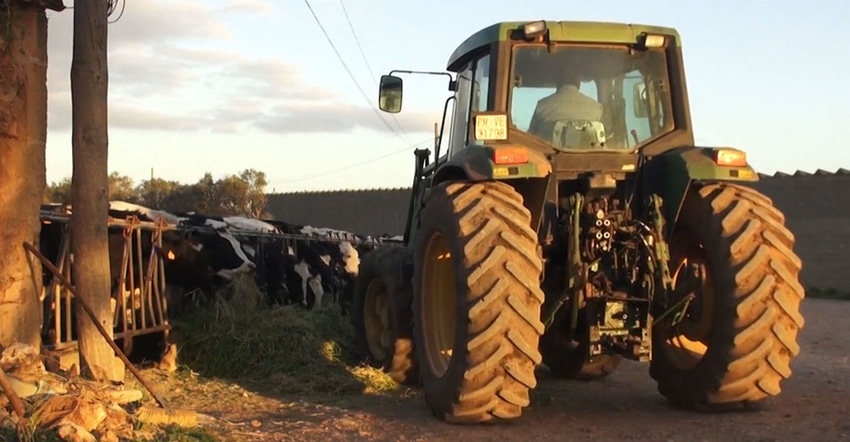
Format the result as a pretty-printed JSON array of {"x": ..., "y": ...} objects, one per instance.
[
  {"x": 477, "y": 302},
  {"x": 382, "y": 314},
  {"x": 739, "y": 336}
]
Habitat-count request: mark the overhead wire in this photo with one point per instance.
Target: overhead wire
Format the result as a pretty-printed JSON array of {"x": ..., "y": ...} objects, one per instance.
[
  {"x": 351, "y": 75},
  {"x": 365, "y": 59},
  {"x": 352, "y": 166},
  {"x": 110, "y": 8}
]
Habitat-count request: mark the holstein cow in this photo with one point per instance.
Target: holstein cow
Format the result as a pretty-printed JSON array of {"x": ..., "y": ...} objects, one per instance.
[
  {"x": 314, "y": 266},
  {"x": 253, "y": 245},
  {"x": 226, "y": 255},
  {"x": 193, "y": 259},
  {"x": 197, "y": 259},
  {"x": 281, "y": 270}
]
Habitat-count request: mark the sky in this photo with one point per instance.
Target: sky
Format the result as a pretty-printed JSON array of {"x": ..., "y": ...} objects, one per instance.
[{"x": 220, "y": 86}]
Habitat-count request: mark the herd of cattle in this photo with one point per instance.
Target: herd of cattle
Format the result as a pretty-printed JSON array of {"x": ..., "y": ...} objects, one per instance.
[{"x": 293, "y": 264}]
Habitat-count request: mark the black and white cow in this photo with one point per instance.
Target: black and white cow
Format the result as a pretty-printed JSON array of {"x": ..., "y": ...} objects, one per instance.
[
  {"x": 193, "y": 258},
  {"x": 313, "y": 266}
]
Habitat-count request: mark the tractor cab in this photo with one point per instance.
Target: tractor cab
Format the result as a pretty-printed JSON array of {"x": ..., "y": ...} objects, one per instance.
[{"x": 562, "y": 87}]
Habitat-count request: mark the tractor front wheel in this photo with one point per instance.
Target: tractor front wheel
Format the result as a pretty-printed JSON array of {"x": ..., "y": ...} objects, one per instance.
[
  {"x": 477, "y": 302},
  {"x": 736, "y": 339},
  {"x": 382, "y": 313}
]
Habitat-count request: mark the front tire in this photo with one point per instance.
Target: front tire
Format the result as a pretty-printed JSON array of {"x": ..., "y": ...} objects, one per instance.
[
  {"x": 477, "y": 302},
  {"x": 382, "y": 314},
  {"x": 737, "y": 341}
]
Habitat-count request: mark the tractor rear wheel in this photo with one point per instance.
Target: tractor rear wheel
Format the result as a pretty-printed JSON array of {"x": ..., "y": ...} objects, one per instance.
[
  {"x": 382, "y": 313},
  {"x": 739, "y": 335},
  {"x": 477, "y": 302}
]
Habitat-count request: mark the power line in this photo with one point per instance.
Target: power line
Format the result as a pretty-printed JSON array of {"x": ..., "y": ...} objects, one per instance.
[
  {"x": 365, "y": 60},
  {"x": 357, "y": 40},
  {"x": 352, "y": 166},
  {"x": 351, "y": 75},
  {"x": 111, "y": 5}
]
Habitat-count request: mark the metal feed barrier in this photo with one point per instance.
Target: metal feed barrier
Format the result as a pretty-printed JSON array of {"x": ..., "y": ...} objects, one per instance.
[{"x": 140, "y": 307}]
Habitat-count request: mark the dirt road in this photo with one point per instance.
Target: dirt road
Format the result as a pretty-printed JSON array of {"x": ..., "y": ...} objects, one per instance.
[{"x": 815, "y": 406}]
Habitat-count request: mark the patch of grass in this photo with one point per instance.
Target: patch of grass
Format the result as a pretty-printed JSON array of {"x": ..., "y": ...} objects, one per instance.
[
  {"x": 288, "y": 350},
  {"x": 818, "y": 293},
  {"x": 29, "y": 433},
  {"x": 176, "y": 433},
  {"x": 8, "y": 434}
]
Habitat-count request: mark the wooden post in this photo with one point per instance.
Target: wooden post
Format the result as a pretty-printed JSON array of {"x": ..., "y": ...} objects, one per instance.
[
  {"x": 90, "y": 143},
  {"x": 23, "y": 131}
]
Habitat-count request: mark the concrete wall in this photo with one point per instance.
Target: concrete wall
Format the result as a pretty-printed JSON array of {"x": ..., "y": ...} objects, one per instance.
[
  {"x": 367, "y": 212},
  {"x": 817, "y": 211},
  {"x": 816, "y": 206}
]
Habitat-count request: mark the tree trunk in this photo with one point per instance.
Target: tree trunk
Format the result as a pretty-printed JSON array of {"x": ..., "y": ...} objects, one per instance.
[
  {"x": 90, "y": 142},
  {"x": 23, "y": 130}
]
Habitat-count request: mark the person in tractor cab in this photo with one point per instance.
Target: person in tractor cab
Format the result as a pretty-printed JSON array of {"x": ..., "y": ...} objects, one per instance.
[{"x": 566, "y": 103}]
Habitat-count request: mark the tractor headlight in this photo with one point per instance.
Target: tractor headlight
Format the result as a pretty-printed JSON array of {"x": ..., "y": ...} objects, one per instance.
[
  {"x": 534, "y": 29},
  {"x": 646, "y": 41}
]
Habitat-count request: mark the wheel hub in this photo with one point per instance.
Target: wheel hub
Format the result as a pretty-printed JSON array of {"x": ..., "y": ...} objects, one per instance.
[
  {"x": 439, "y": 305},
  {"x": 377, "y": 320},
  {"x": 688, "y": 340}
]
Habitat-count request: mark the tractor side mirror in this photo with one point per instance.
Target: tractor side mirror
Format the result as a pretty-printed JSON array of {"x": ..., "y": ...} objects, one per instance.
[
  {"x": 390, "y": 94},
  {"x": 639, "y": 100}
]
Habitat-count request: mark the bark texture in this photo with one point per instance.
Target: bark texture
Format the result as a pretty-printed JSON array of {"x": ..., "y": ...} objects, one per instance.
[
  {"x": 90, "y": 142},
  {"x": 23, "y": 130}
]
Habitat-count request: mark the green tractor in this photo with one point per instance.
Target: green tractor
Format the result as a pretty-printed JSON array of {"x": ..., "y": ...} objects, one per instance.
[{"x": 573, "y": 223}]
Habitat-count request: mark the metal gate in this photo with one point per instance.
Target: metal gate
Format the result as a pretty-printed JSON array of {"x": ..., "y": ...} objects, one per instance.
[{"x": 139, "y": 304}]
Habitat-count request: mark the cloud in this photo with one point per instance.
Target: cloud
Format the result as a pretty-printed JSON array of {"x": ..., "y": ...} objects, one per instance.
[{"x": 160, "y": 78}]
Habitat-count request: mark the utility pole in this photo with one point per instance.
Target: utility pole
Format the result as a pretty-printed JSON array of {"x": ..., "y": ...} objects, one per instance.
[{"x": 90, "y": 147}]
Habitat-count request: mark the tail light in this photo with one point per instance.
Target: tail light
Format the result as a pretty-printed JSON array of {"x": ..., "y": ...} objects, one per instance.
[
  {"x": 510, "y": 155},
  {"x": 730, "y": 157}
]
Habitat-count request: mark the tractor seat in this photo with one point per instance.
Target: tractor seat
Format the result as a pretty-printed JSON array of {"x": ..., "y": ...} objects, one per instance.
[{"x": 579, "y": 134}]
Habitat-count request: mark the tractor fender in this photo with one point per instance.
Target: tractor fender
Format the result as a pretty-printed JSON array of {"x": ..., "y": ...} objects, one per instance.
[
  {"x": 671, "y": 173},
  {"x": 475, "y": 163}
]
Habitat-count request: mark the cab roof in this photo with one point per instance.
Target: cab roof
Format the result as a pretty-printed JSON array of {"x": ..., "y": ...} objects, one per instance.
[{"x": 575, "y": 31}]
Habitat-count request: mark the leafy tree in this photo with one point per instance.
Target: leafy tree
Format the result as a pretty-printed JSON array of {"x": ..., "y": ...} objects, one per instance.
[
  {"x": 207, "y": 195},
  {"x": 58, "y": 192},
  {"x": 257, "y": 198},
  {"x": 233, "y": 196},
  {"x": 184, "y": 198},
  {"x": 122, "y": 188},
  {"x": 155, "y": 192},
  {"x": 242, "y": 194}
]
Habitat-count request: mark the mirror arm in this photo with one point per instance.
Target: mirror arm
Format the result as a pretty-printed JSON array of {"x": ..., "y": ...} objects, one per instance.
[{"x": 452, "y": 81}]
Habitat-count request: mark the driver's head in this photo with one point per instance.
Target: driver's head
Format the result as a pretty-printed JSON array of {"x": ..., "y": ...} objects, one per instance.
[{"x": 569, "y": 77}]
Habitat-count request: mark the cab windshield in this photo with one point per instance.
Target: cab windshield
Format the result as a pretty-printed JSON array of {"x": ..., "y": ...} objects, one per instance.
[{"x": 590, "y": 97}]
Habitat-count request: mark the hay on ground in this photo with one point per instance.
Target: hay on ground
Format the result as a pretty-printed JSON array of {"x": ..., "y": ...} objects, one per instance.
[{"x": 289, "y": 350}]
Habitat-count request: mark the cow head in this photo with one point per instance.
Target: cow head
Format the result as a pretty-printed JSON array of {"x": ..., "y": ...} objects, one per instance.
[
  {"x": 350, "y": 258},
  {"x": 185, "y": 260}
]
